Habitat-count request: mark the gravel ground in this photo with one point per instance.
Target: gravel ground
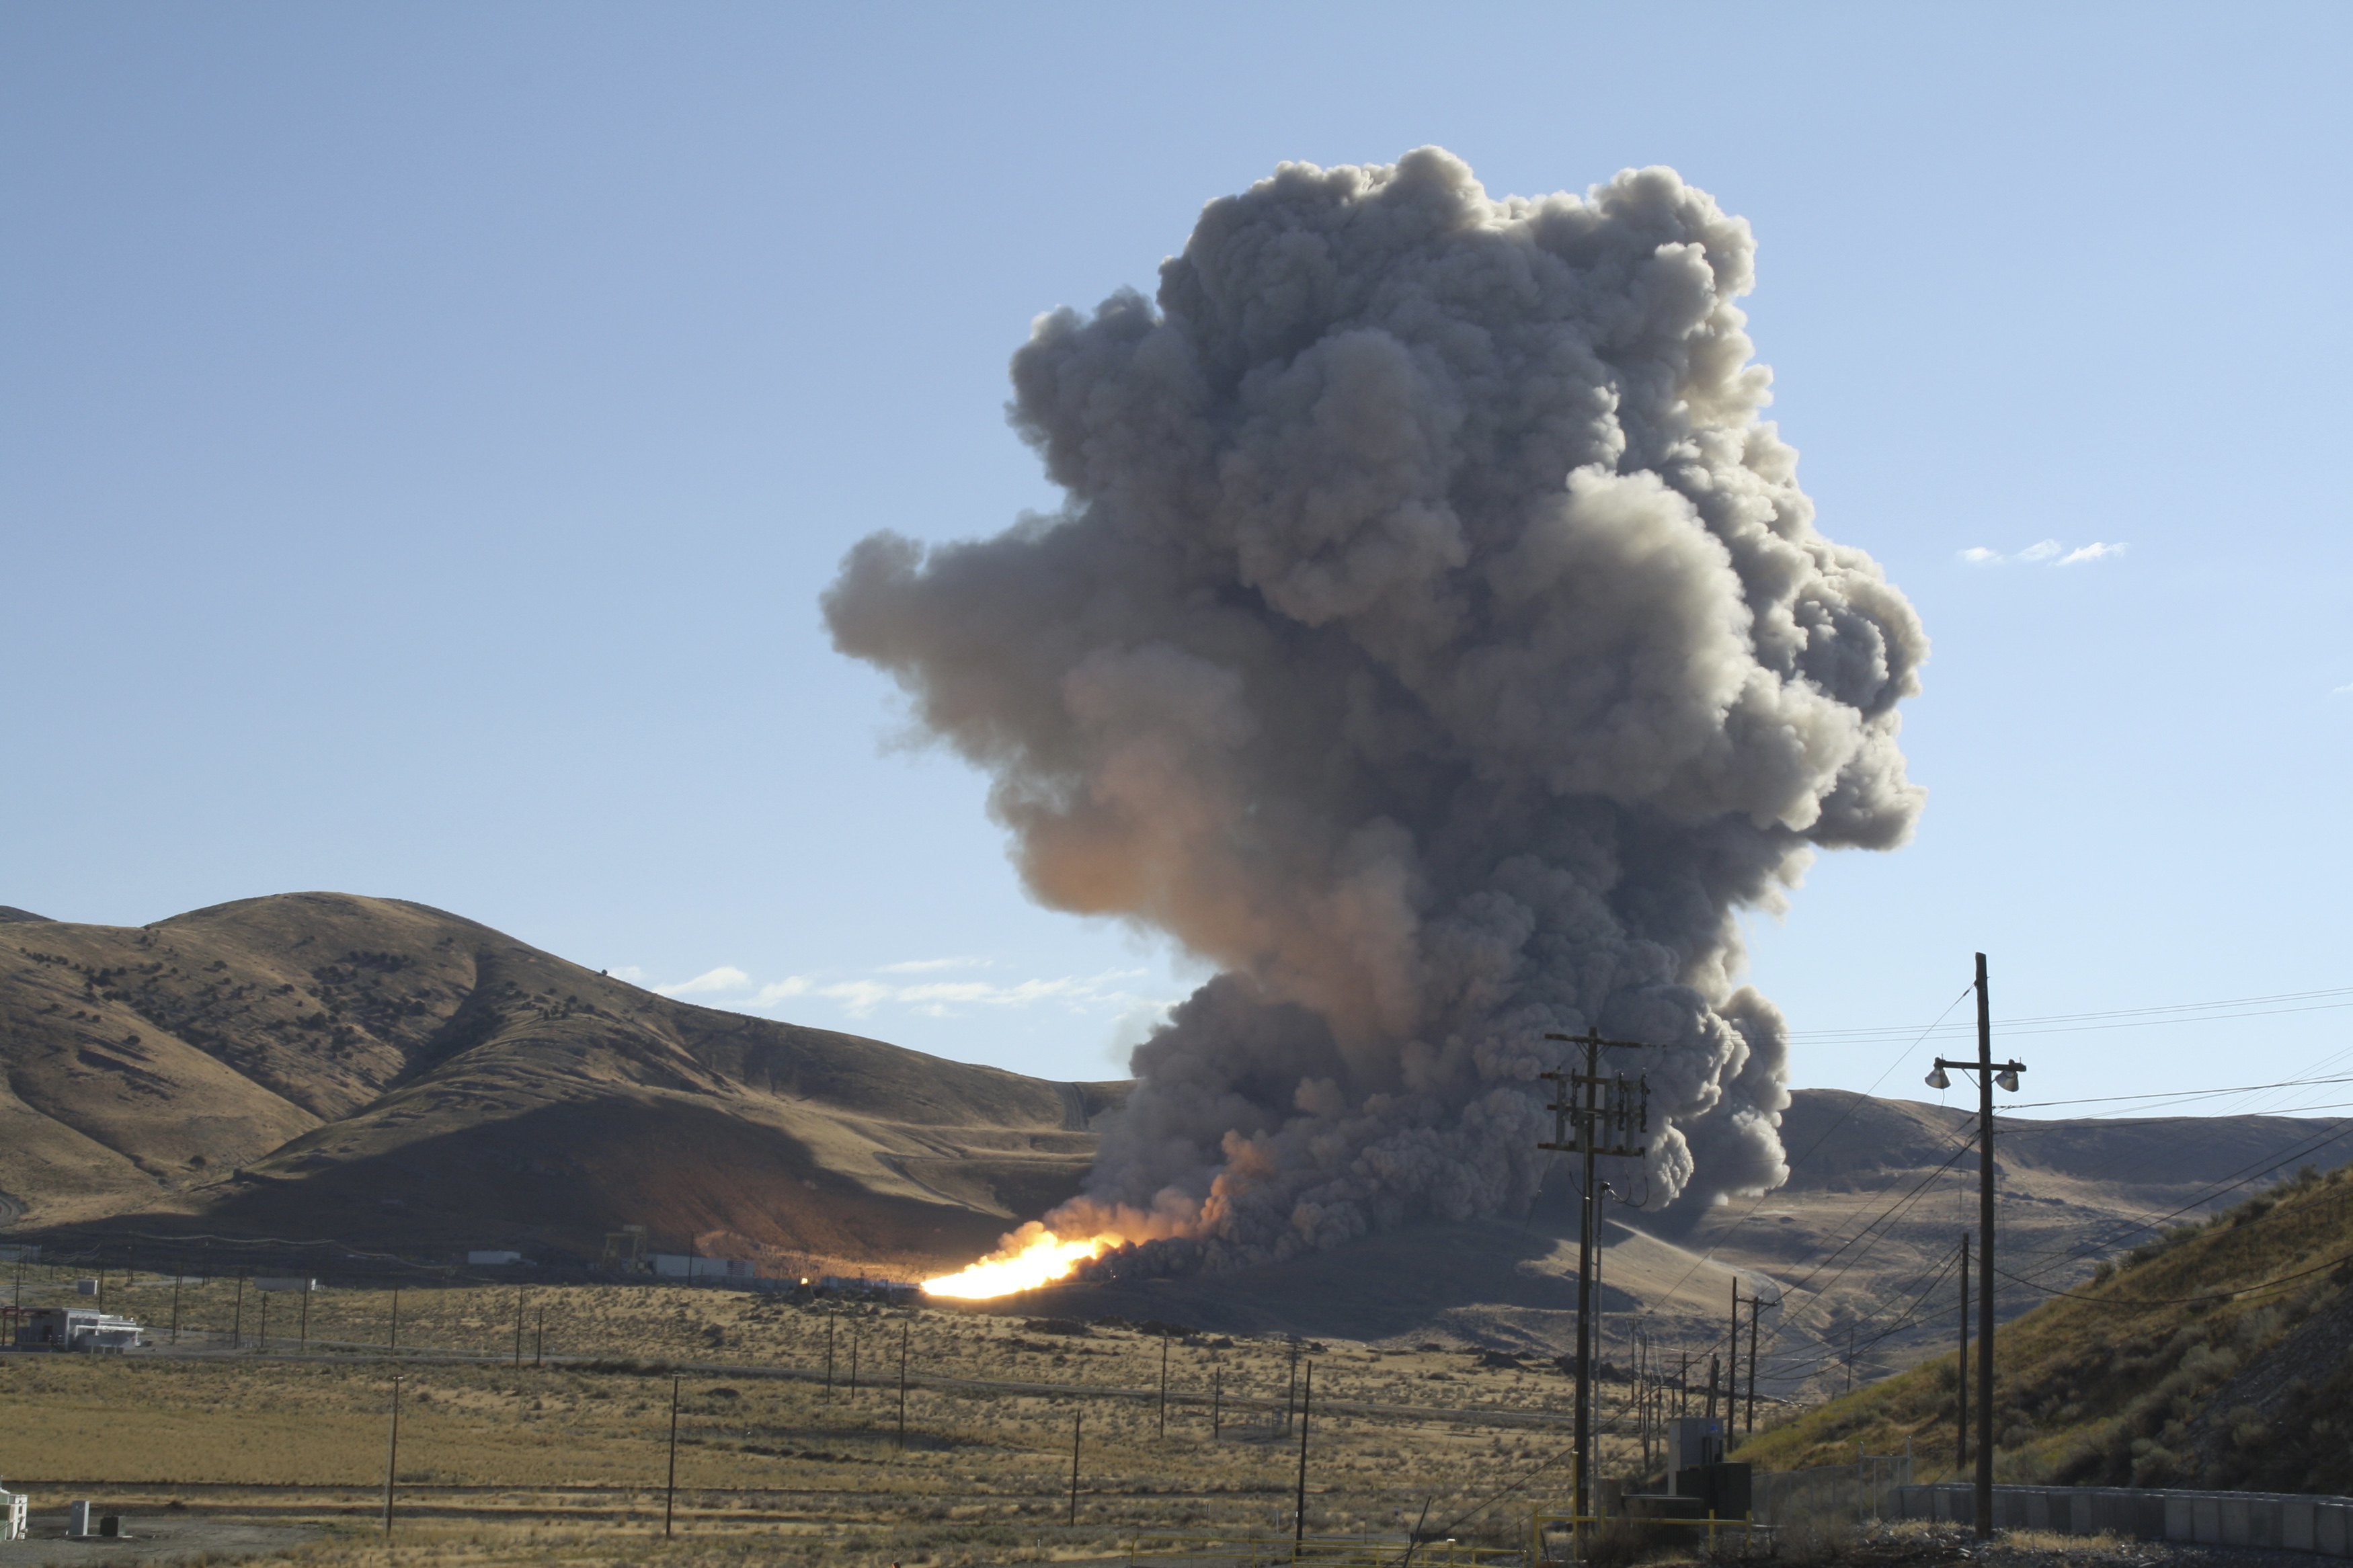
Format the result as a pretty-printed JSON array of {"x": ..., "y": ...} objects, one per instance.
[
  {"x": 1938, "y": 1545},
  {"x": 152, "y": 1538}
]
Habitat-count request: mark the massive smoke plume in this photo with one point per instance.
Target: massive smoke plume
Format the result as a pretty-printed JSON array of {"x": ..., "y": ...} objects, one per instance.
[{"x": 1436, "y": 639}]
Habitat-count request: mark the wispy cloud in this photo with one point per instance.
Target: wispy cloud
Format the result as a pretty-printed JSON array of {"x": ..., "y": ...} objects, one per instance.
[
  {"x": 859, "y": 996},
  {"x": 726, "y": 977},
  {"x": 2045, "y": 552},
  {"x": 2344, "y": 691}
]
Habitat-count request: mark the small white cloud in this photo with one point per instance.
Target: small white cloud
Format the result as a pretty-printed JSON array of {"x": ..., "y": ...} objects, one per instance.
[
  {"x": 726, "y": 977},
  {"x": 929, "y": 965},
  {"x": 857, "y": 997},
  {"x": 2344, "y": 691},
  {"x": 2045, "y": 552},
  {"x": 775, "y": 991},
  {"x": 630, "y": 973}
]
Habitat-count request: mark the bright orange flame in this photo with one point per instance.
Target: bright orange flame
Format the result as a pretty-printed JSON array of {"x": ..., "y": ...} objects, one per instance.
[{"x": 1032, "y": 1256}]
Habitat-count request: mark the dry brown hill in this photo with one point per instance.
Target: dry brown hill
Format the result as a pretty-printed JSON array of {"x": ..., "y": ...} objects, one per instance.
[
  {"x": 321, "y": 1065},
  {"x": 1856, "y": 1250},
  {"x": 2219, "y": 1354}
]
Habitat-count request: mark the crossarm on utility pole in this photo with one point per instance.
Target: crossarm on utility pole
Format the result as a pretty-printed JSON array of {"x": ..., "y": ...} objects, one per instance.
[{"x": 1579, "y": 1102}]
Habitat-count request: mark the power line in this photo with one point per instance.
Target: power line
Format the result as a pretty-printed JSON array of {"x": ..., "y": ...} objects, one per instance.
[
  {"x": 1789, "y": 1320},
  {"x": 1613, "y": 1422},
  {"x": 1830, "y": 1353},
  {"x": 2052, "y": 1023},
  {"x": 2244, "y": 1174},
  {"x": 2179, "y": 1094},
  {"x": 1838, "y": 1121},
  {"x": 2183, "y": 1300}
]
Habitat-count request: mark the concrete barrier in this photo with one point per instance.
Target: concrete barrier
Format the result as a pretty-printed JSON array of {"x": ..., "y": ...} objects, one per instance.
[{"x": 2285, "y": 1521}]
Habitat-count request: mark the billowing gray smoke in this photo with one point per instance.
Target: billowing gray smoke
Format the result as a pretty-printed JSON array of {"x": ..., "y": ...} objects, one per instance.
[{"x": 1435, "y": 638}]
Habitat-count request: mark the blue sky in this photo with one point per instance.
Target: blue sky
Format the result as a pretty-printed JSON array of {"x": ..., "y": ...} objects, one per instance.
[{"x": 427, "y": 430}]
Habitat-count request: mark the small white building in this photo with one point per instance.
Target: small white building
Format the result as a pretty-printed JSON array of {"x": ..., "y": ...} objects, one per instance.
[
  {"x": 75, "y": 1329},
  {"x": 14, "y": 1515},
  {"x": 284, "y": 1283},
  {"x": 493, "y": 1257}
]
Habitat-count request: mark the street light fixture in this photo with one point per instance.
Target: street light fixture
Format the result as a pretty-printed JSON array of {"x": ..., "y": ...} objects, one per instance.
[{"x": 1936, "y": 1078}]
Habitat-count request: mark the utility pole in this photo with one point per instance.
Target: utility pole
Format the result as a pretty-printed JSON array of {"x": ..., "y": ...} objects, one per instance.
[
  {"x": 1755, "y": 1306},
  {"x": 539, "y": 1337},
  {"x": 1160, "y": 1427},
  {"x": 902, "y": 1386},
  {"x": 1961, "y": 1381},
  {"x": 392, "y": 1455},
  {"x": 394, "y": 1347},
  {"x": 854, "y": 1361},
  {"x": 1077, "y": 1419},
  {"x": 1299, "y": 1515},
  {"x": 518, "y": 1350},
  {"x": 830, "y": 1316},
  {"x": 263, "y": 1335},
  {"x": 1216, "y": 1403},
  {"x": 1589, "y": 1109},
  {"x": 670, "y": 1488},
  {"x": 1732, "y": 1370},
  {"x": 1291, "y": 1389},
  {"x": 1715, "y": 1367},
  {"x": 1990, "y": 1073},
  {"x": 302, "y": 1332}
]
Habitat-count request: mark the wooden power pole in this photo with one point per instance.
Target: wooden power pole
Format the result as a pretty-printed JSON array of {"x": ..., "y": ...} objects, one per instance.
[
  {"x": 1990, "y": 1073},
  {"x": 1755, "y": 1306},
  {"x": 1299, "y": 1503},
  {"x": 391, "y": 1454},
  {"x": 1593, "y": 1116},
  {"x": 1961, "y": 1382}
]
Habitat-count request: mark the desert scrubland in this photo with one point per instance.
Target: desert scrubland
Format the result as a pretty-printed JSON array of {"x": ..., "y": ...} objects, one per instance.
[{"x": 568, "y": 1459}]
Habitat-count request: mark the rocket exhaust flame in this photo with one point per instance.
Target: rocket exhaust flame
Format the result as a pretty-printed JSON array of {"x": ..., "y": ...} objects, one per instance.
[
  {"x": 1032, "y": 1257},
  {"x": 1435, "y": 638}
]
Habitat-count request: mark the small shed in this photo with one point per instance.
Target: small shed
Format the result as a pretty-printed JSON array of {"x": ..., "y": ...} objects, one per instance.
[{"x": 75, "y": 1329}]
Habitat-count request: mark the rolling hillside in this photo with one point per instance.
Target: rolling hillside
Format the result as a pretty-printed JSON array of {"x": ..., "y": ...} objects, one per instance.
[
  {"x": 2220, "y": 1354},
  {"x": 321, "y": 1065}
]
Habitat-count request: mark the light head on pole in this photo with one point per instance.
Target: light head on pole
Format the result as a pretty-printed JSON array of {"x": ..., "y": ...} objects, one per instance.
[
  {"x": 2008, "y": 1079},
  {"x": 1936, "y": 1078}
]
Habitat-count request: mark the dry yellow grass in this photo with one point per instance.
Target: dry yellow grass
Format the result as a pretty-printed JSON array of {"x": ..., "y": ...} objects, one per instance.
[
  {"x": 567, "y": 1461},
  {"x": 2110, "y": 1383}
]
